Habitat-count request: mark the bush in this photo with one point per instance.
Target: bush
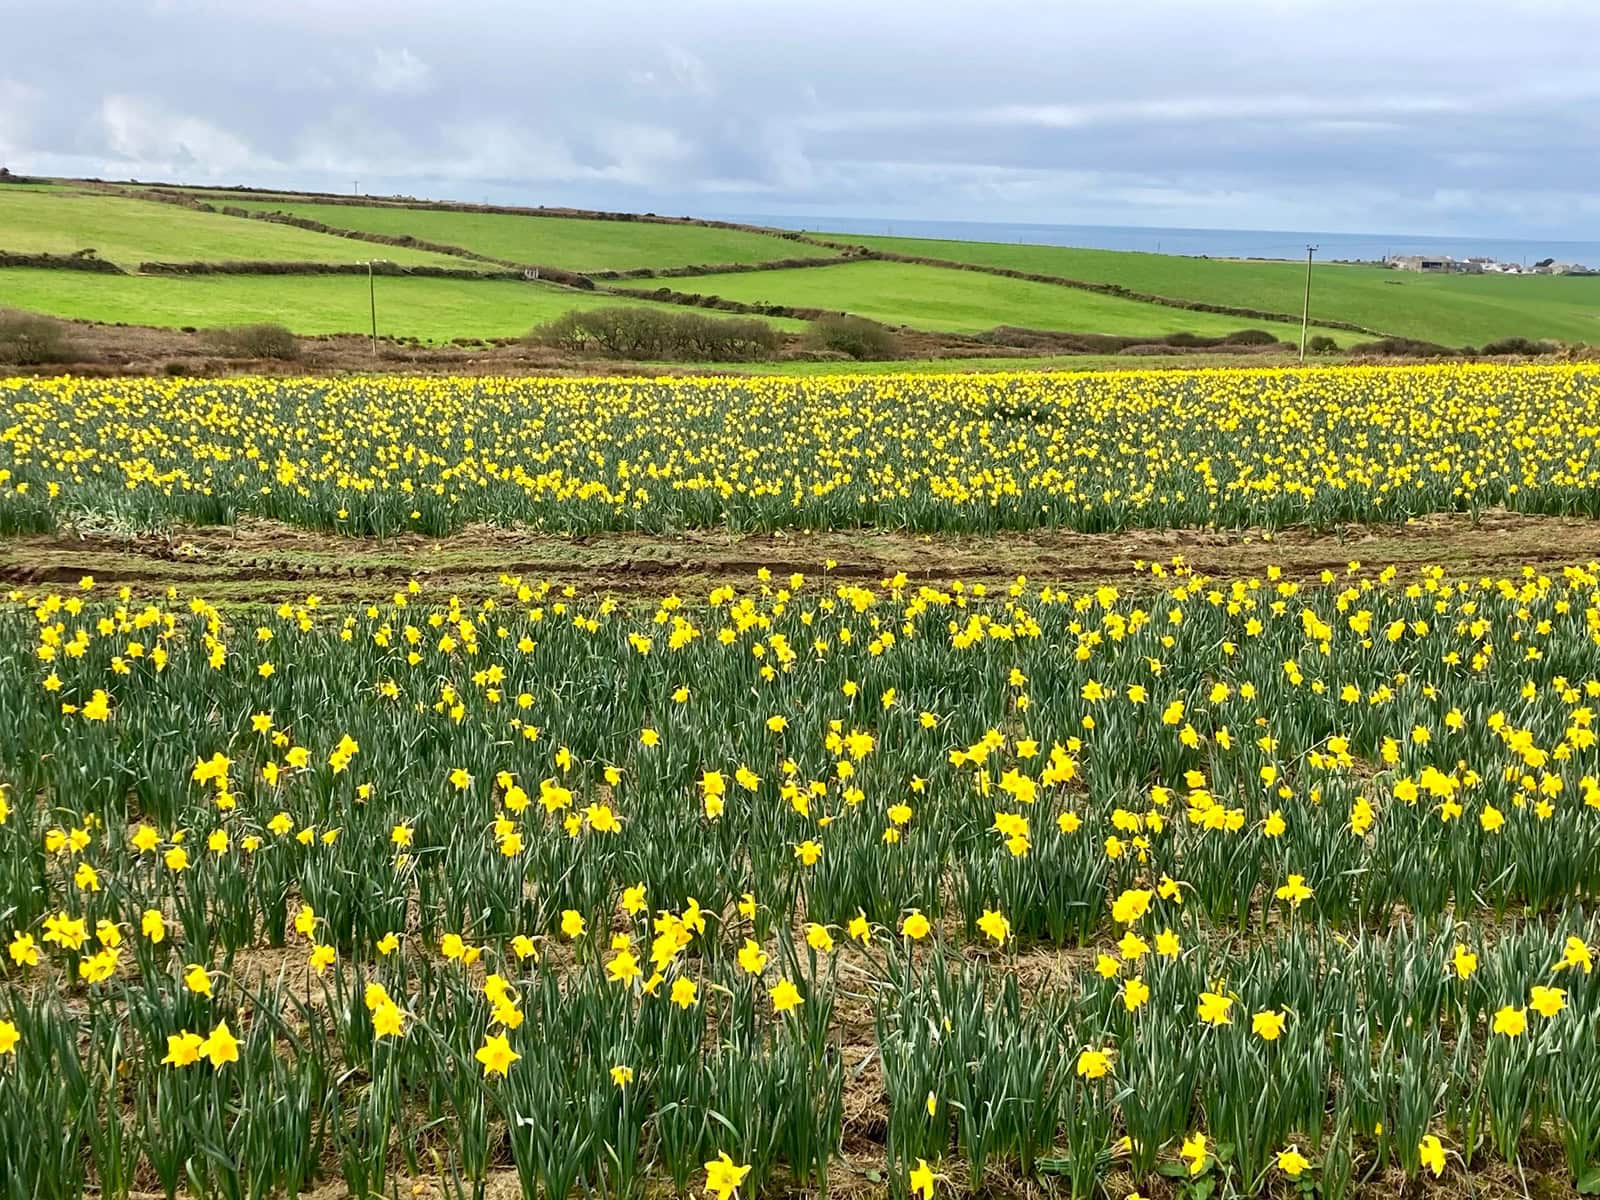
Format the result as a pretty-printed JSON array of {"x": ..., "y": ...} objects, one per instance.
[
  {"x": 721, "y": 339},
  {"x": 254, "y": 341},
  {"x": 27, "y": 339},
  {"x": 643, "y": 334},
  {"x": 1322, "y": 344},
  {"x": 1153, "y": 349},
  {"x": 855, "y": 336},
  {"x": 1519, "y": 345},
  {"x": 1250, "y": 337},
  {"x": 1403, "y": 348}
]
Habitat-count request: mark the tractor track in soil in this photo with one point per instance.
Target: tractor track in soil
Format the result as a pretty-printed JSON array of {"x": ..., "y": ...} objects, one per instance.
[{"x": 259, "y": 560}]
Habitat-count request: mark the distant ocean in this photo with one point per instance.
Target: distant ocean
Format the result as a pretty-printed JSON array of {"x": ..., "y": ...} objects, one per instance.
[{"x": 1210, "y": 243}]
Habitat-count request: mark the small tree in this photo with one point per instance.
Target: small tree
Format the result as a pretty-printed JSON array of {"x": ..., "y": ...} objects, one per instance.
[
  {"x": 263, "y": 340},
  {"x": 855, "y": 336},
  {"x": 642, "y": 334},
  {"x": 28, "y": 339}
]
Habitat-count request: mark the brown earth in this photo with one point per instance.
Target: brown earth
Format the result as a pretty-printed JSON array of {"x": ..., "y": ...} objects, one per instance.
[
  {"x": 258, "y": 560},
  {"x": 102, "y": 350}
]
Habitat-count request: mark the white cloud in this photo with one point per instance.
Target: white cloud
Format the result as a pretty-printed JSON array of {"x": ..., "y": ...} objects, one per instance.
[
  {"x": 490, "y": 148},
  {"x": 345, "y": 145},
  {"x": 681, "y": 73},
  {"x": 17, "y": 101},
  {"x": 689, "y": 72},
  {"x": 151, "y": 138},
  {"x": 642, "y": 154},
  {"x": 1038, "y": 111},
  {"x": 400, "y": 72},
  {"x": 1174, "y": 110}
]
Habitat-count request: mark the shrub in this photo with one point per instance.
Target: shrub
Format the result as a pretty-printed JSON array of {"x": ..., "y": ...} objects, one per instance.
[
  {"x": 855, "y": 336},
  {"x": 720, "y": 339},
  {"x": 1250, "y": 337},
  {"x": 1519, "y": 345},
  {"x": 642, "y": 334},
  {"x": 1403, "y": 348},
  {"x": 1322, "y": 344},
  {"x": 262, "y": 340},
  {"x": 27, "y": 339}
]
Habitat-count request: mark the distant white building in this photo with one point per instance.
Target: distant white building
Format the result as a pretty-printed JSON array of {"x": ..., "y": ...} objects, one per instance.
[
  {"x": 1437, "y": 264},
  {"x": 1443, "y": 264}
]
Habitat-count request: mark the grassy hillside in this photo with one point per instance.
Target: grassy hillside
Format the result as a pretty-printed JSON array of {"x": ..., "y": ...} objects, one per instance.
[
  {"x": 432, "y": 309},
  {"x": 1001, "y": 365},
  {"x": 1451, "y": 309},
  {"x": 962, "y": 301},
  {"x": 63, "y": 218},
  {"x": 128, "y": 232},
  {"x": 577, "y": 245}
]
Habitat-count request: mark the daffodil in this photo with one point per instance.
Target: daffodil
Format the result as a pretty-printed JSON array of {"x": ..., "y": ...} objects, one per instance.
[
  {"x": 1213, "y": 1008},
  {"x": 1093, "y": 1063},
  {"x": 785, "y": 996},
  {"x": 1430, "y": 1152},
  {"x": 220, "y": 1046},
  {"x": 496, "y": 1054},
  {"x": 1268, "y": 1025},
  {"x": 1510, "y": 1021},
  {"x": 183, "y": 1049},
  {"x": 723, "y": 1176},
  {"x": 1292, "y": 1163}
]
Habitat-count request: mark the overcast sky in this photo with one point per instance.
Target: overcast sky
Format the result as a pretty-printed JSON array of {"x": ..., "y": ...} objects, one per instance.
[{"x": 1411, "y": 116}]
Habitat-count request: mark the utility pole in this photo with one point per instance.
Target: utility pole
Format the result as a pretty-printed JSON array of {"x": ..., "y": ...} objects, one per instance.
[
  {"x": 372, "y": 301},
  {"x": 1305, "y": 311}
]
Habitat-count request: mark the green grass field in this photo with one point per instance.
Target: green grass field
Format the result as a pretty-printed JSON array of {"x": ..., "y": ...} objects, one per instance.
[
  {"x": 432, "y": 309},
  {"x": 62, "y": 217},
  {"x": 128, "y": 232},
  {"x": 990, "y": 366},
  {"x": 961, "y": 301},
  {"x": 1453, "y": 310},
  {"x": 576, "y": 245}
]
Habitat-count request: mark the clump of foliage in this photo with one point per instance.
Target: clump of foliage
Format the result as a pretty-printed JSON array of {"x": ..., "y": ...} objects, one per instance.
[
  {"x": 643, "y": 335},
  {"x": 29, "y": 339},
  {"x": 261, "y": 340},
  {"x": 855, "y": 337}
]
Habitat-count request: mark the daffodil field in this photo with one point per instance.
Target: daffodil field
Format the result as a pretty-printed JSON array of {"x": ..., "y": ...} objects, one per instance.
[
  {"x": 928, "y": 453},
  {"x": 1172, "y": 886}
]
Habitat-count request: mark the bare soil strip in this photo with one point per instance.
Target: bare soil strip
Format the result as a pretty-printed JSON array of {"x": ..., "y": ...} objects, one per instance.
[{"x": 258, "y": 560}]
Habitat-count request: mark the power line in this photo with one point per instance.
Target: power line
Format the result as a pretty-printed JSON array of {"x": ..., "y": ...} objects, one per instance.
[
  {"x": 372, "y": 300},
  {"x": 1305, "y": 312}
]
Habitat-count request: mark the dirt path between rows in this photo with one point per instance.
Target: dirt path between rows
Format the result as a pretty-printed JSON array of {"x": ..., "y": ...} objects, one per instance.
[{"x": 260, "y": 559}]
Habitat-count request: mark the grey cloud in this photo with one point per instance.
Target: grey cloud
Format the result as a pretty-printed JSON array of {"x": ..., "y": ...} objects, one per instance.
[
  {"x": 146, "y": 135},
  {"x": 680, "y": 73},
  {"x": 399, "y": 71},
  {"x": 17, "y": 105},
  {"x": 1422, "y": 115}
]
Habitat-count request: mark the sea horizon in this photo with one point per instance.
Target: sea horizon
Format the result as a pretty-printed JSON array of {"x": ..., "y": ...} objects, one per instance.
[{"x": 1201, "y": 243}]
